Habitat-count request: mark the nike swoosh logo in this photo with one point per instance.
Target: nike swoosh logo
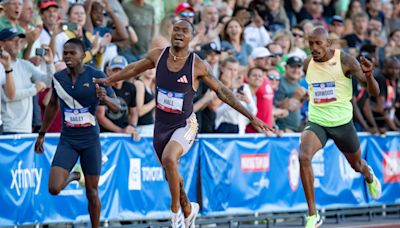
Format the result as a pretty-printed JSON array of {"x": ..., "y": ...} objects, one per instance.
[{"x": 105, "y": 176}]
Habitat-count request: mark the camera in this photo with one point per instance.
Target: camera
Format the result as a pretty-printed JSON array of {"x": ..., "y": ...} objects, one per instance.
[
  {"x": 69, "y": 26},
  {"x": 40, "y": 52}
]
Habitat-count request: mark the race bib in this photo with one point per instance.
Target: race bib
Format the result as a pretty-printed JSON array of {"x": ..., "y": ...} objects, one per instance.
[
  {"x": 79, "y": 117},
  {"x": 324, "y": 92},
  {"x": 169, "y": 101}
]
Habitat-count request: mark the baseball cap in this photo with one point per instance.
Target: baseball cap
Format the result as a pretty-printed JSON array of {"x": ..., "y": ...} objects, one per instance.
[
  {"x": 118, "y": 62},
  {"x": 44, "y": 4},
  {"x": 260, "y": 52},
  {"x": 211, "y": 47},
  {"x": 294, "y": 61},
  {"x": 9, "y": 33},
  {"x": 337, "y": 18},
  {"x": 182, "y": 7}
]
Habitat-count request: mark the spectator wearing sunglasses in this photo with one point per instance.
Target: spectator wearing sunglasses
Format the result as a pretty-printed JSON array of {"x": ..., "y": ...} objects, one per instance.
[
  {"x": 290, "y": 95},
  {"x": 185, "y": 11},
  {"x": 276, "y": 56}
]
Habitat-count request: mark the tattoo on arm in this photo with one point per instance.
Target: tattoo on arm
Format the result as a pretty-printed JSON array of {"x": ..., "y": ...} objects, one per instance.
[
  {"x": 354, "y": 69},
  {"x": 225, "y": 94}
]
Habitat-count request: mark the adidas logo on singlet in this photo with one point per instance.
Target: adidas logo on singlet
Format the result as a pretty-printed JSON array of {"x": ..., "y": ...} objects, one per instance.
[{"x": 182, "y": 79}]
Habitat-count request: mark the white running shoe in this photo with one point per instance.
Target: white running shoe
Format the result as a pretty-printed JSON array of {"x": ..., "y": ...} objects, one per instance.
[
  {"x": 190, "y": 220},
  {"x": 374, "y": 188},
  {"x": 177, "y": 220}
]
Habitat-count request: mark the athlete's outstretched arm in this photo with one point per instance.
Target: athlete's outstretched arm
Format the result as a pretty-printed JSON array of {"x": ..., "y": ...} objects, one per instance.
[
  {"x": 133, "y": 69},
  {"x": 362, "y": 71},
  {"x": 49, "y": 114},
  {"x": 226, "y": 95}
]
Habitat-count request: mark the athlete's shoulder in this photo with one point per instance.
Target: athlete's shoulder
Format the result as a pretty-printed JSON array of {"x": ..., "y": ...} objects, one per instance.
[
  {"x": 61, "y": 73},
  {"x": 94, "y": 72},
  {"x": 155, "y": 54}
]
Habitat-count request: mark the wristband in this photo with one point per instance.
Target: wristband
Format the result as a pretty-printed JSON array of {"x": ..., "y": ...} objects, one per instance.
[
  {"x": 9, "y": 71},
  {"x": 41, "y": 133}
]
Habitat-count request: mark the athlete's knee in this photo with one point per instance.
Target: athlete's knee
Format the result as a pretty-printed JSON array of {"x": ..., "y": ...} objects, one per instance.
[
  {"x": 305, "y": 157},
  {"x": 169, "y": 162},
  {"x": 92, "y": 195},
  {"x": 54, "y": 189}
]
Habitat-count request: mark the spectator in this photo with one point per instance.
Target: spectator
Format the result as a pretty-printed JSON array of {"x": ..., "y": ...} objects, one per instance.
[
  {"x": 392, "y": 48},
  {"x": 255, "y": 33},
  {"x": 272, "y": 13},
  {"x": 51, "y": 23},
  {"x": 209, "y": 27},
  {"x": 12, "y": 12},
  {"x": 337, "y": 25},
  {"x": 119, "y": 33},
  {"x": 233, "y": 41},
  {"x": 290, "y": 95},
  {"x": 360, "y": 36},
  {"x": 243, "y": 15},
  {"x": 6, "y": 81},
  {"x": 394, "y": 21},
  {"x": 141, "y": 18},
  {"x": 285, "y": 39},
  {"x": 262, "y": 95},
  {"x": 32, "y": 32},
  {"x": 261, "y": 58},
  {"x": 185, "y": 11},
  {"x": 355, "y": 7},
  {"x": 374, "y": 9},
  {"x": 276, "y": 56},
  {"x": 125, "y": 120},
  {"x": 75, "y": 28},
  {"x": 312, "y": 10},
  {"x": 383, "y": 105},
  {"x": 298, "y": 38},
  {"x": 163, "y": 39},
  {"x": 227, "y": 119},
  {"x": 145, "y": 102},
  {"x": 17, "y": 114},
  {"x": 212, "y": 56}
]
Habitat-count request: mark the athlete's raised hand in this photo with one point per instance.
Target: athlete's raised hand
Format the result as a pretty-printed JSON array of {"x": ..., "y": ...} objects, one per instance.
[
  {"x": 366, "y": 65},
  {"x": 261, "y": 126},
  {"x": 101, "y": 92},
  {"x": 39, "y": 144}
]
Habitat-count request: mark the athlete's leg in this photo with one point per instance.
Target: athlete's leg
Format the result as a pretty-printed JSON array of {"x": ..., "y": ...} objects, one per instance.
[
  {"x": 172, "y": 152},
  {"x": 91, "y": 167},
  {"x": 183, "y": 199},
  {"x": 91, "y": 184},
  {"x": 309, "y": 145},
  {"x": 59, "y": 178},
  {"x": 64, "y": 160},
  {"x": 359, "y": 165}
]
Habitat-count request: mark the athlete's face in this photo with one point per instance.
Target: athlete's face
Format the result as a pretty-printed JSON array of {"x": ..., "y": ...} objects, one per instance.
[
  {"x": 182, "y": 34},
  {"x": 73, "y": 55},
  {"x": 319, "y": 45}
]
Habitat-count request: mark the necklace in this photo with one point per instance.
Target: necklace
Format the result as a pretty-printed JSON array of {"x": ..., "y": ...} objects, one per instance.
[{"x": 177, "y": 57}]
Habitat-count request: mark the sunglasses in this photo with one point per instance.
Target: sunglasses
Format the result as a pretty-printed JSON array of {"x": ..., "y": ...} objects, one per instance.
[
  {"x": 187, "y": 14},
  {"x": 276, "y": 54},
  {"x": 273, "y": 77}
]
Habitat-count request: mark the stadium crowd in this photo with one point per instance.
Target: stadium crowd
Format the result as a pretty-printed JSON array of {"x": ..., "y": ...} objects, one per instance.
[{"x": 255, "y": 47}]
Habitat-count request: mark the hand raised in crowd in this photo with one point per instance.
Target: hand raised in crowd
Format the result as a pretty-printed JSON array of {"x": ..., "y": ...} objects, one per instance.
[
  {"x": 242, "y": 97},
  {"x": 40, "y": 86},
  {"x": 101, "y": 92},
  {"x": 107, "y": 5},
  {"x": 33, "y": 35},
  {"x": 105, "y": 40},
  {"x": 96, "y": 44},
  {"x": 132, "y": 131},
  {"x": 48, "y": 57},
  {"x": 5, "y": 59},
  {"x": 39, "y": 144}
]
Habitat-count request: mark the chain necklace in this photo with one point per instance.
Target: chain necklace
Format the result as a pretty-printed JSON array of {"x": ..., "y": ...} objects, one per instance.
[{"x": 177, "y": 57}]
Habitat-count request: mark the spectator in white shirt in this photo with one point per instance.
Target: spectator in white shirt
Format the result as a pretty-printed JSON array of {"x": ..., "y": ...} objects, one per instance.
[
  {"x": 6, "y": 80},
  {"x": 16, "y": 114}
]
